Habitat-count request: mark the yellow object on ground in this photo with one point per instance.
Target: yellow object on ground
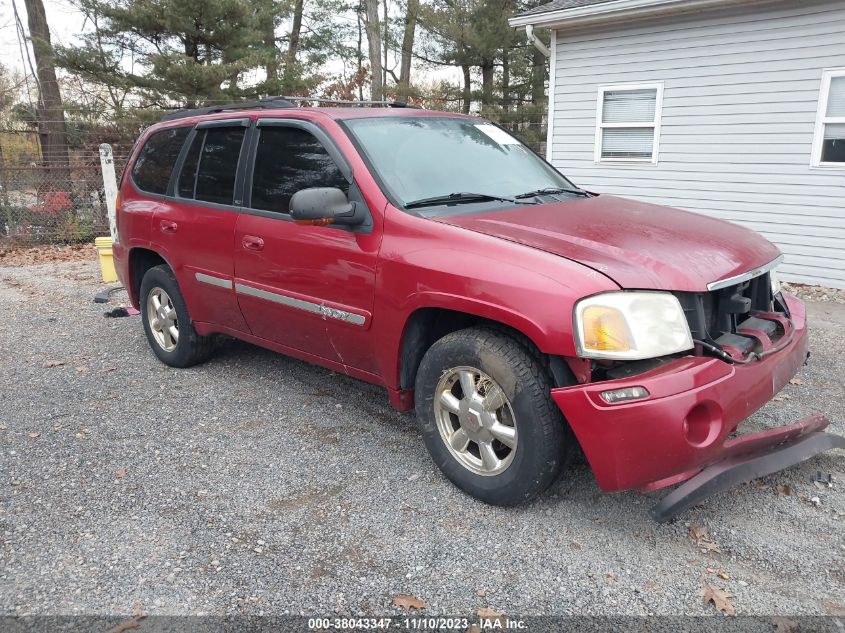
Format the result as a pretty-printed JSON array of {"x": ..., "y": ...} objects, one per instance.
[{"x": 103, "y": 245}]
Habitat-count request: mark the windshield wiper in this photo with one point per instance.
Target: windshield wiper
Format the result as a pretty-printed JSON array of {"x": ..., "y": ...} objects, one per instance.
[
  {"x": 460, "y": 197},
  {"x": 550, "y": 191}
]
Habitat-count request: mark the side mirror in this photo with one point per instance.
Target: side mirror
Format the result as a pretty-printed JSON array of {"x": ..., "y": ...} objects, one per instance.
[{"x": 324, "y": 205}]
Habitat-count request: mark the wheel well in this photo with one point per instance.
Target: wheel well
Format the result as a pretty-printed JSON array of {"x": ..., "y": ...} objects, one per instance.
[
  {"x": 428, "y": 325},
  {"x": 140, "y": 261}
]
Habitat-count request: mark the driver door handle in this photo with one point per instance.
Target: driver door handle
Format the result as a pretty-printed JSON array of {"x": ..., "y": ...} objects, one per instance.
[{"x": 252, "y": 242}]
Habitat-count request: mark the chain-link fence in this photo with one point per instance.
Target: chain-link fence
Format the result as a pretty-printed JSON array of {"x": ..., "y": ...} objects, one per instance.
[
  {"x": 59, "y": 202},
  {"x": 40, "y": 204},
  {"x": 63, "y": 201}
]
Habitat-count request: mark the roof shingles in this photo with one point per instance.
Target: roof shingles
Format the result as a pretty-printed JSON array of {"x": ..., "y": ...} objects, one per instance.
[{"x": 557, "y": 5}]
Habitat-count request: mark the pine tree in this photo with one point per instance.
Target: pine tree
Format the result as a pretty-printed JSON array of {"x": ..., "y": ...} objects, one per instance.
[{"x": 183, "y": 52}]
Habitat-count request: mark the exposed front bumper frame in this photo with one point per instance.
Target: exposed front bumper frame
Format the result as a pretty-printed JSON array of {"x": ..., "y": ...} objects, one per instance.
[{"x": 750, "y": 457}]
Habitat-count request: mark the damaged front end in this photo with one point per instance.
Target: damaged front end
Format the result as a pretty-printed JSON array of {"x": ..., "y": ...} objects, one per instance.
[
  {"x": 655, "y": 423},
  {"x": 739, "y": 320}
]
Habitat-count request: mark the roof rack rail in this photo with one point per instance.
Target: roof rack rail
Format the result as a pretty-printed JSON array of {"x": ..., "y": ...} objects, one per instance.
[
  {"x": 268, "y": 102},
  {"x": 273, "y": 102},
  {"x": 351, "y": 102}
]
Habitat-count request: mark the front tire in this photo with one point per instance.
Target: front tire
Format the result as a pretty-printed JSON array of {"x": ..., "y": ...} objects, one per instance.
[
  {"x": 167, "y": 324},
  {"x": 487, "y": 417}
]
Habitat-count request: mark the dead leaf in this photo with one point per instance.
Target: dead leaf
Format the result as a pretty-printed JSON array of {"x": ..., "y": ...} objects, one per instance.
[
  {"x": 575, "y": 545},
  {"x": 784, "y": 625},
  {"x": 702, "y": 539},
  {"x": 34, "y": 435},
  {"x": 134, "y": 623},
  {"x": 54, "y": 363},
  {"x": 719, "y": 597},
  {"x": 784, "y": 490},
  {"x": 650, "y": 585},
  {"x": 120, "y": 473},
  {"x": 404, "y": 601},
  {"x": 834, "y": 608},
  {"x": 610, "y": 577},
  {"x": 796, "y": 381},
  {"x": 16, "y": 256},
  {"x": 486, "y": 613}
]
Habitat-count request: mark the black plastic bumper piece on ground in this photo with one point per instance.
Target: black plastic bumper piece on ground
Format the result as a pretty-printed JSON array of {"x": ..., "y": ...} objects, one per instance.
[
  {"x": 741, "y": 468},
  {"x": 103, "y": 295}
]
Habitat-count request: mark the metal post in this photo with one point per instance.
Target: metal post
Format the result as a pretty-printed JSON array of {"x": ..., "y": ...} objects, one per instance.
[{"x": 109, "y": 187}]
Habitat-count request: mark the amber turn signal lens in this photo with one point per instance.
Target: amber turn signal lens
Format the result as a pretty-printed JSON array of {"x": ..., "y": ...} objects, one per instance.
[{"x": 605, "y": 330}]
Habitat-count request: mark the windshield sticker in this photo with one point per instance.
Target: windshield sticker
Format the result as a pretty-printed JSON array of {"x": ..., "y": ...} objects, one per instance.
[{"x": 497, "y": 134}]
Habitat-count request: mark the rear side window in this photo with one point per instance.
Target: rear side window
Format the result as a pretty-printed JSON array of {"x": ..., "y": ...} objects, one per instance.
[
  {"x": 186, "y": 186},
  {"x": 155, "y": 162},
  {"x": 218, "y": 164},
  {"x": 289, "y": 159},
  {"x": 211, "y": 165}
]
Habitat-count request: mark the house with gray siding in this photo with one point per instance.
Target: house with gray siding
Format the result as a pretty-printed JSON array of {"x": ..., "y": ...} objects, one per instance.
[{"x": 730, "y": 108}]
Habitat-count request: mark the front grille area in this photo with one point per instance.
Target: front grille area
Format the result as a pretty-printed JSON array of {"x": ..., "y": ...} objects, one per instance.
[{"x": 716, "y": 317}]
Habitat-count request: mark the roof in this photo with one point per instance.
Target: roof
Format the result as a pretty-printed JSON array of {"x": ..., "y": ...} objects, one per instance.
[
  {"x": 274, "y": 103},
  {"x": 335, "y": 113},
  {"x": 556, "y": 5},
  {"x": 560, "y": 14}
]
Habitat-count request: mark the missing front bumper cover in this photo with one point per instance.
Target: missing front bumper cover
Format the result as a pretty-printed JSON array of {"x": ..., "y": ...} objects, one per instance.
[{"x": 759, "y": 461}]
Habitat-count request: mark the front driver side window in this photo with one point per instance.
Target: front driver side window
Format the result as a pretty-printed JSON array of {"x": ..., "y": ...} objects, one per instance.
[{"x": 289, "y": 159}]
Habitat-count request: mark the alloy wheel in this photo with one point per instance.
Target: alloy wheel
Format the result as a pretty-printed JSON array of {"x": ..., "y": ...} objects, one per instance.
[
  {"x": 161, "y": 315},
  {"x": 475, "y": 420}
]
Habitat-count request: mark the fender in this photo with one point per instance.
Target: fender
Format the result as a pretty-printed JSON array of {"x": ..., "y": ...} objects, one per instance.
[
  {"x": 125, "y": 270},
  {"x": 428, "y": 264}
]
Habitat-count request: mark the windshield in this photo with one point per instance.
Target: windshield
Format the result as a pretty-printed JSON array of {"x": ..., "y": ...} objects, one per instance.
[{"x": 423, "y": 158}]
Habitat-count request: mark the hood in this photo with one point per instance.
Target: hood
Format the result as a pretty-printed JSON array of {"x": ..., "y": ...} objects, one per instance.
[{"x": 637, "y": 245}]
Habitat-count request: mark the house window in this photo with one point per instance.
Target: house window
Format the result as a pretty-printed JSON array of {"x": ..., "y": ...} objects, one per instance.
[
  {"x": 829, "y": 139},
  {"x": 628, "y": 123}
]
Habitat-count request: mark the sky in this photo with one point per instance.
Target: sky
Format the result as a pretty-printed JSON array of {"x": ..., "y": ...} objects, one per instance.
[{"x": 63, "y": 19}]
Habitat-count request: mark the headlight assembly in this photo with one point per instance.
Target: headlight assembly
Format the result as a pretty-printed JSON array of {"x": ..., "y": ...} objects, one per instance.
[
  {"x": 773, "y": 279},
  {"x": 630, "y": 326}
]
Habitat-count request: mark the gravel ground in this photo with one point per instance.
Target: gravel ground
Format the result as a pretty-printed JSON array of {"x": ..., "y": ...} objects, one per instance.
[{"x": 259, "y": 484}]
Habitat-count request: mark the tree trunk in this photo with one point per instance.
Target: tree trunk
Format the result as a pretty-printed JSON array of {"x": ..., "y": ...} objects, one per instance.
[
  {"x": 271, "y": 68},
  {"x": 293, "y": 47},
  {"x": 374, "y": 39},
  {"x": 506, "y": 81},
  {"x": 408, "y": 47},
  {"x": 360, "y": 52},
  {"x": 487, "y": 70},
  {"x": 538, "y": 77},
  {"x": 467, "y": 94},
  {"x": 385, "y": 40},
  {"x": 50, "y": 114}
]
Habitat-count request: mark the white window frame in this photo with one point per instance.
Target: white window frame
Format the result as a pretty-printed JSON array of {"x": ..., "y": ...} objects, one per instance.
[
  {"x": 822, "y": 119},
  {"x": 600, "y": 126}
]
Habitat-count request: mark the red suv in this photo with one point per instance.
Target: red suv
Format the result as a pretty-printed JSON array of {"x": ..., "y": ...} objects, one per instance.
[{"x": 435, "y": 254}]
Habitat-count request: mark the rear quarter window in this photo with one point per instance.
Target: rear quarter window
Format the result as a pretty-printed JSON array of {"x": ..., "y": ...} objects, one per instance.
[{"x": 152, "y": 169}]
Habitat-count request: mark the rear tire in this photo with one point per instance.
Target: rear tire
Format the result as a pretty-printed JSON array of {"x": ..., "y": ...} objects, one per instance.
[
  {"x": 167, "y": 324},
  {"x": 484, "y": 406}
]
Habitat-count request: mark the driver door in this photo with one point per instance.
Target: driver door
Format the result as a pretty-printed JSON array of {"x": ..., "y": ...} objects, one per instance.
[{"x": 308, "y": 288}]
